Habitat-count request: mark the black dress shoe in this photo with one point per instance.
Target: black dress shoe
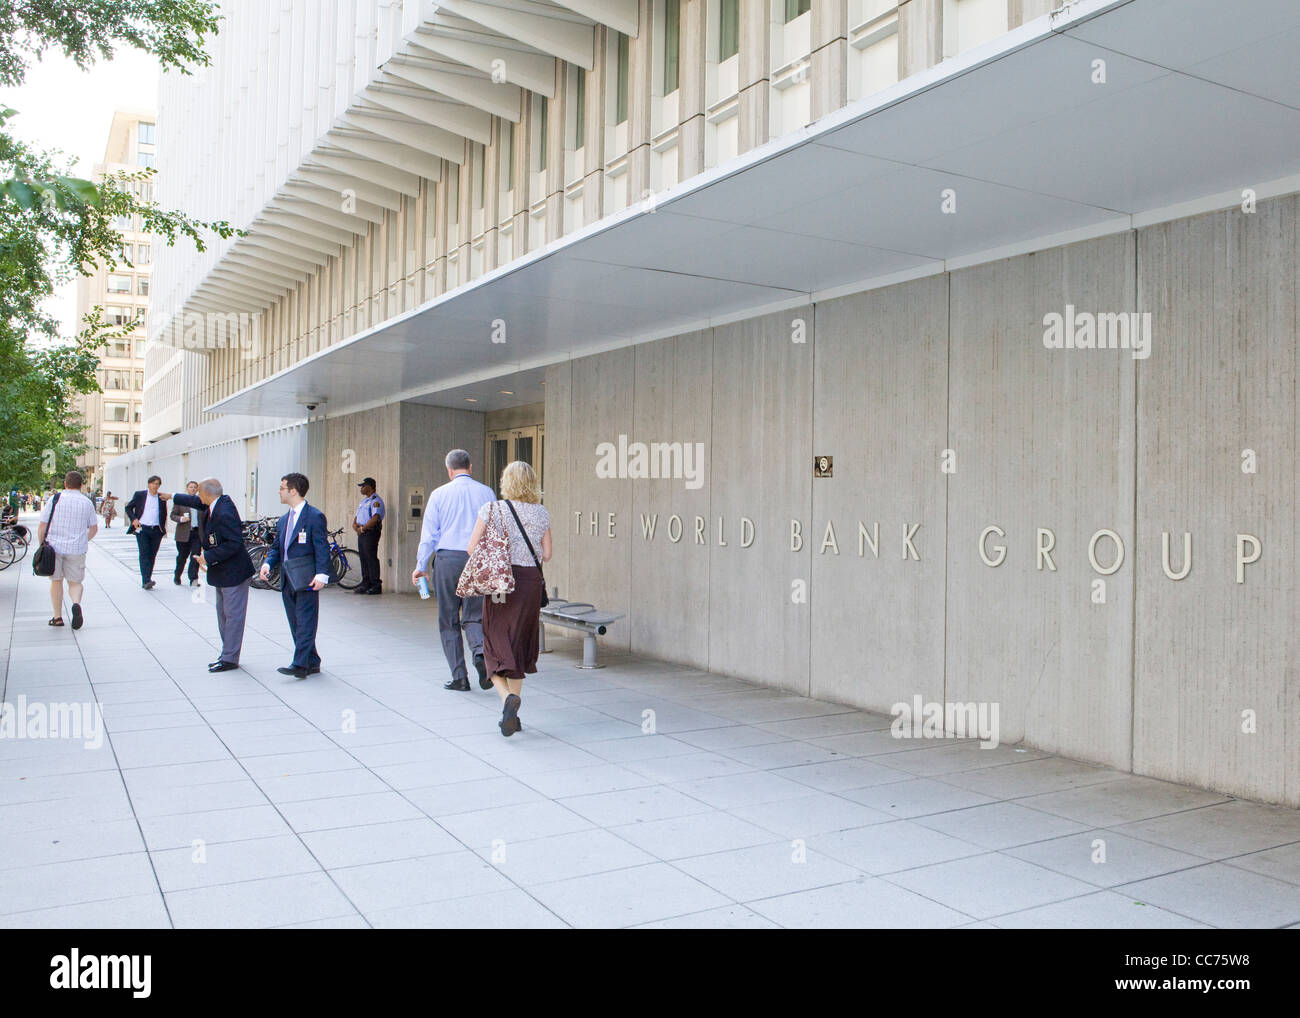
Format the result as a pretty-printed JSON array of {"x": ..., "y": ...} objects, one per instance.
[
  {"x": 361, "y": 590},
  {"x": 176, "y": 580},
  {"x": 314, "y": 670},
  {"x": 297, "y": 673},
  {"x": 149, "y": 584},
  {"x": 460, "y": 685},
  {"x": 375, "y": 590},
  {"x": 483, "y": 680},
  {"x": 222, "y": 666}
]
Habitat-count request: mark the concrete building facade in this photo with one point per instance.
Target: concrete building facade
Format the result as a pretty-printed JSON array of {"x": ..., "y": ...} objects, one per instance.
[{"x": 940, "y": 350}]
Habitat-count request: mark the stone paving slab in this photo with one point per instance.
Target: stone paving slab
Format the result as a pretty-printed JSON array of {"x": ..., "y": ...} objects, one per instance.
[{"x": 370, "y": 797}]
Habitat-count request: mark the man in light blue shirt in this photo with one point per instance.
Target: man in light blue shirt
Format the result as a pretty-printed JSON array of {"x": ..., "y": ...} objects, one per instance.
[{"x": 449, "y": 519}]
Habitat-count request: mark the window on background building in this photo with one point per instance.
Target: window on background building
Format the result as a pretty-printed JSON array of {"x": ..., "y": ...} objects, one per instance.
[
  {"x": 146, "y": 134},
  {"x": 126, "y": 253},
  {"x": 672, "y": 43},
  {"x": 540, "y": 114},
  {"x": 119, "y": 347},
  {"x": 623, "y": 73},
  {"x": 579, "y": 107},
  {"x": 122, "y": 222},
  {"x": 144, "y": 159},
  {"x": 140, "y": 312},
  {"x": 119, "y": 284},
  {"x": 137, "y": 413},
  {"x": 506, "y": 143},
  {"x": 142, "y": 286},
  {"x": 116, "y": 314},
  {"x": 142, "y": 254},
  {"x": 479, "y": 169},
  {"x": 115, "y": 411},
  {"x": 135, "y": 439},
  {"x": 794, "y": 8},
  {"x": 728, "y": 29},
  {"x": 139, "y": 381}
]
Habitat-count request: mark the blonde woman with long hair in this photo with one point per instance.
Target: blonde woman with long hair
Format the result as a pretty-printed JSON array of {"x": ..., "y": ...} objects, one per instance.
[{"x": 510, "y": 627}]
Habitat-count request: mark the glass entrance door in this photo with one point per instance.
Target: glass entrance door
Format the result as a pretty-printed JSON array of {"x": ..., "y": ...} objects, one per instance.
[
  {"x": 498, "y": 457},
  {"x": 507, "y": 446}
]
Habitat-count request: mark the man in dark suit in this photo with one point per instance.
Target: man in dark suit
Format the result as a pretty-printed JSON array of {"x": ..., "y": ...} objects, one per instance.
[
  {"x": 146, "y": 515},
  {"x": 302, "y": 552},
  {"x": 225, "y": 560},
  {"x": 188, "y": 527}
]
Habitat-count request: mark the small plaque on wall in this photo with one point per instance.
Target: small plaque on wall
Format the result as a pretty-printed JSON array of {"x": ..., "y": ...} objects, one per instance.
[{"x": 823, "y": 466}]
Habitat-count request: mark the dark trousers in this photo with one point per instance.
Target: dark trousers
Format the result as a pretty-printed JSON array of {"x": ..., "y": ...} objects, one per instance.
[
  {"x": 368, "y": 548},
  {"x": 148, "y": 539},
  {"x": 302, "y": 608},
  {"x": 186, "y": 550},
  {"x": 454, "y": 613}
]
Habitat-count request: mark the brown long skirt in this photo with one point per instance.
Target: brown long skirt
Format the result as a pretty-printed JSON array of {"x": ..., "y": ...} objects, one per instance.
[{"x": 510, "y": 641}]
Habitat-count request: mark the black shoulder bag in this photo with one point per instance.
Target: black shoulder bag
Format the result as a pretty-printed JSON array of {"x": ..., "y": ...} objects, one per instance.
[
  {"x": 43, "y": 560},
  {"x": 519, "y": 523}
]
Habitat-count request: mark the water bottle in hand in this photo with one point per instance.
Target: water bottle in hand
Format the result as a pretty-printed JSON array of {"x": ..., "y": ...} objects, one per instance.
[{"x": 424, "y": 588}]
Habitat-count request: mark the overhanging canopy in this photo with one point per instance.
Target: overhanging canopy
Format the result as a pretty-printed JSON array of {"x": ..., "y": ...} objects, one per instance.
[{"x": 1201, "y": 100}]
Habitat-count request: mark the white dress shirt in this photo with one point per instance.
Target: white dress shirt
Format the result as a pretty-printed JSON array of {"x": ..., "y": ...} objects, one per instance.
[{"x": 149, "y": 514}]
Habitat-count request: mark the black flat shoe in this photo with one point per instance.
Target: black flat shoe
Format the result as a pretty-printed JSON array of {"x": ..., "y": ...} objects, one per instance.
[
  {"x": 77, "y": 618},
  {"x": 460, "y": 685},
  {"x": 297, "y": 673},
  {"x": 176, "y": 580},
  {"x": 222, "y": 666},
  {"x": 483, "y": 680},
  {"x": 510, "y": 716},
  {"x": 149, "y": 585}
]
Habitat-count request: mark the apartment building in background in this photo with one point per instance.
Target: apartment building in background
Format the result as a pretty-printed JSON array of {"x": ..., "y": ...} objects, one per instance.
[
  {"x": 829, "y": 248},
  {"x": 113, "y": 416}
]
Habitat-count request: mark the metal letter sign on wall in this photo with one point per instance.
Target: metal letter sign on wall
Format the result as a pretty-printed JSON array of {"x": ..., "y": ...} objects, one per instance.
[{"x": 823, "y": 466}]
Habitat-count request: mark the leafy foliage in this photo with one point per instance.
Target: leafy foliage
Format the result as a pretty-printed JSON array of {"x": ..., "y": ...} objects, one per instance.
[{"x": 54, "y": 226}]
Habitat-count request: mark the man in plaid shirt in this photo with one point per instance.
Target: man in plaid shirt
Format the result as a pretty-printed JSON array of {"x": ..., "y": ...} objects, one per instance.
[{"x": 68, "y": 522}]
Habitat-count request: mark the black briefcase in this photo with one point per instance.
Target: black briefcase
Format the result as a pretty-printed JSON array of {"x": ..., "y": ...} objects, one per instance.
[{"x": 298, "y": 571}]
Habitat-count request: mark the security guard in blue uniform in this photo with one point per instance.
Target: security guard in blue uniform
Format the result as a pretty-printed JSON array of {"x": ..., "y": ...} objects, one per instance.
[{"x": 368, "y": 525}]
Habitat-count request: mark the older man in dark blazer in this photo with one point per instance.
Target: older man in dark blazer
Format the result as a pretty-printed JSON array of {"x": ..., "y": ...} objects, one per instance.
[{"x": 225, "y": 560}]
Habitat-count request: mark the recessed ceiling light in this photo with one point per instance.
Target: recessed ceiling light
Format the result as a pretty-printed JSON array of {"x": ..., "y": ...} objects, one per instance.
[
  {"x": 471, "y": 399},
  {"x": 505, "y": 392}
]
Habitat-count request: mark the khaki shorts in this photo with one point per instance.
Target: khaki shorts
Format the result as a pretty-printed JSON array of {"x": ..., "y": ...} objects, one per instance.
[{"x": 69, "y": 567}]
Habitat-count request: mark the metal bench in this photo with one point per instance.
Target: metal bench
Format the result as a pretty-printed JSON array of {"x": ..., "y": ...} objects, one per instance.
[{"x": 582, "y": 617}]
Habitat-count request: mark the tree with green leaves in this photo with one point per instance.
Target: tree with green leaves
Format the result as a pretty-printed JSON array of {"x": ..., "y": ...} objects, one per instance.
[{"x": 54, "y": 226}]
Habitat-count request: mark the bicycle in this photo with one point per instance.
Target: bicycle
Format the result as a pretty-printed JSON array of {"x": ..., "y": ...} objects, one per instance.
[
  {"x": 258, "y": 537},
  {"x": 258, "y": 555},
  {"x": 14, "y": 539},
  {"x": 345, "y": 563}
]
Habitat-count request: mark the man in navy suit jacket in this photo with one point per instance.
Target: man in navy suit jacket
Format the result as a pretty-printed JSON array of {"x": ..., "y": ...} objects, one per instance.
[
  {"x": 299, "y": 534},
  {"x": 146, "y": 516},
  {"x": 225, "y": 560}
]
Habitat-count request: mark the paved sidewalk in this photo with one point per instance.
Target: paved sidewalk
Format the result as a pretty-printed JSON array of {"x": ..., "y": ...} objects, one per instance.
[{"x": 369, "y": 796}]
